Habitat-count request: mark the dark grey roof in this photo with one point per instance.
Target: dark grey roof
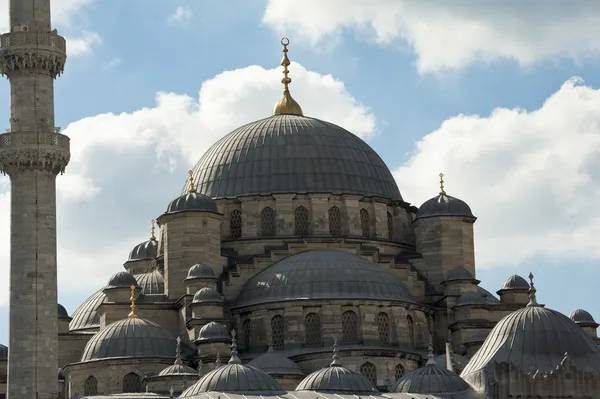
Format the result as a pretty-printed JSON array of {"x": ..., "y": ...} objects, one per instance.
[
  {"x": 459, "y": 273},
  {"x": 292, "y": 154},
  {"x": 85, "y": 317},
  {"x": 175, "y": 370},
  {"x": 151, "y": 282},
  {"x": 207, "y": 294},
  {"x": 130, "y": 338},
  {"x": 430, "y": 379},
  {"x": 3, "y": 353},
  {"x": 323, "y": 274},
  {"x": 201, "y": 271},
  {"x": 337, "y": 379},
  {"x": 192, "y": 202},
  {"x": 479, "y": 297},
  {"x": 533, "y": 339},
  {"x": 146, "y": 250},
  {"x": 236, "y": 378},
  {"x": 583, "y": 318},
  {"x": 121, "y": 280},
  {"x": 444, "y": 205},
  {"x": 458, "y": 361},
  {"x": 515, "y": 282},
  {"x": 276, "y": 365},
  {"x": 213, "y": 331},
  {"x": 62, "y": 311}
]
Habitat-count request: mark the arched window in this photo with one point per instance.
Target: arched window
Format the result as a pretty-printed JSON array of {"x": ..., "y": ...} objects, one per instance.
[
  {"x": 267, "y": 222},
  {"x": 390, "y": 224},
  {"x": 398, "y": 371},
  {"x": 411, "y": 331},
  {"x": 246, "y": 327},
  {"x": 277, "y": 332},
  {"x": 301, "y": 222},
  {"x": 90, "y": 387},
  {"x": 312, "y": 329},
  {"x": 370, "y": 372},
  {"x": 132, "y": 383},
  {"x": 350, "y": 327},
  {"x": 235, "y": 224},
  {"x": 365, "y": 223},
  {"x": 335, "y": 221},
  {"x": 383, "y": 327}
]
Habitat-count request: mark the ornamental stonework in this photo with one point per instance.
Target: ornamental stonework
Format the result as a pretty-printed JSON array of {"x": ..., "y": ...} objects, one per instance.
[
  {"x": 32, "y": 51},
  {"x": 32, "y": 150}
]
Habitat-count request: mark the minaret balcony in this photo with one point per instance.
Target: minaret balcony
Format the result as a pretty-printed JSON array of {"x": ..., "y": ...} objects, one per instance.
[
  {"x": 21, "y": 50},
  {"x": 19, "y": 150}
]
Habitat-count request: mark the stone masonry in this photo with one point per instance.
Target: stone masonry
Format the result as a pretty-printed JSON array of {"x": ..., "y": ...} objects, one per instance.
[{"x": 32, "y": 153}]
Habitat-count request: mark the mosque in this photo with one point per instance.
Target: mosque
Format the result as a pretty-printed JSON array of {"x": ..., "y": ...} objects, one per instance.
[{"x": 289, "y": 266}]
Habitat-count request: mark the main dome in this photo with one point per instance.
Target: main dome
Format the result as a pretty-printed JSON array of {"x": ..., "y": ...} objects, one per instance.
[{"x": 292, "y": 154}]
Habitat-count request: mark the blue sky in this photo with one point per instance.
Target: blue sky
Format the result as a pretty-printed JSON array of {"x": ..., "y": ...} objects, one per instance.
[{"x": 396, "y": 74}]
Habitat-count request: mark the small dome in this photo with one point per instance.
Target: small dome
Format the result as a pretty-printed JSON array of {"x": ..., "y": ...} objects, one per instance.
[
  {"x": 515, "y": 282},
  {"x": 146, "y": 250},
  {"x": 323, "y": 275},
  {"x": 444, "y": 205},
  {"x": 583, "y": 318},
  {"x": 130, "y": 338},
  {"x": 86, "y": 317},
  {"x": 479, "y": 297},
  {"x": 201, "y": 271},
  {"x": 121, "y": 280},
  {"x": 337, "y": 379},
  {"x": 193, "y": 202},
  {"x": 213, "y": 331},
  {"x": 151, "y": 282},
  {"x": 62, "y": 311},
  {"x": 3, "y": 353},
  {"x": 430, "y": 379},
  {"x": 458, "y": 361},
  {"x": 276, "y": 365},
  {"x": 207, "y": 294},
  {"x": 459, "y": 273},
  {"x": 178, "y": 370}
]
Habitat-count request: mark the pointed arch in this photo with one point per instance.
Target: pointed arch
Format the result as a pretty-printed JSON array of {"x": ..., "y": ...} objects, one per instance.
[
  {"x": 235, "y": 224},
  {"x": 350, "y": 330},
  {"x": 267, "y": 222},
  {"x": 383, "y": 327},
  {"x": 365, "y": 223},
  {"x": 335, "y": 221},
  {"x": 277, "y": 332},
  {"x": 390, "y": 226},
  {"x": 301, "y": 221},
  {"x": 132, "y": 383},
  {"x": 90, "y": 387},
  {"x": 312, "y": 329},
  {"x": 370, "y": 372}
]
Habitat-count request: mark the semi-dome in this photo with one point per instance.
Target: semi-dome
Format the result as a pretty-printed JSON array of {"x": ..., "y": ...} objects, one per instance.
[
  {"x": 532, "y": 339},
  {"x": 431, "y": 379},
  {"x": 130, "y": 338},
  {"x": 236, "y": 378},
  {"x": 201, "y": 271},
  {"x": 337, "y": 379},
  {"x": 151, "y": 282},
  {"x": 515, "y": 282},
  {"x": 292, "y": 154},
  {"x": 207, "y": 294},
  {"x": 324, "y": 275},
  {"x": 583, "y": 318},
  {"x": 62, "y": 311},
  {"x": 86, "y": 317},
  {"x": 146, "y": 250},
  {"x": 121, "y": 280},
  {"x": 3, "y": 353},
  {"x": 479, "y": 297},
  {"x": 213, "y": 331},
  {"x": 276, "y": 365}
]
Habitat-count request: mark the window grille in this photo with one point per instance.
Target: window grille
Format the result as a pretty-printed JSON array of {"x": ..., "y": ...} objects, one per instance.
[
  {"x": 398, "y": 371},
  {"x": 267, "y": 222},
  {"x": 365, "y": 223},
  {"x": 312, "y": 327},
  {"x": 411, "y": 331},
  {"x": 301, "y": 222},
  {"x": 383, "y": 327},
  {"x": 235, "y": 224},
  {"x": 90, "y": 388},
  {"x": 370, "y": 372},
  {"x": 390, "y": 226},
  {"x": 277, "y": 332},
  {"x": 335, "y": 221},
  {"x": 350, "y": 327},
  {"x": 247, "y": 334},
  {"x": 132, "y": 383}
]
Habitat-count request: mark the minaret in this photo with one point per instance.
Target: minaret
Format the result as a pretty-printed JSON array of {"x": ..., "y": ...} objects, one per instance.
[{"x": 32, "y": 153}]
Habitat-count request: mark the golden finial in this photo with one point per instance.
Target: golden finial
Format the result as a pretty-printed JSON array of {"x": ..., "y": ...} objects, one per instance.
[
  {"x": 132, "y": 314},
  {"x": 442, "y": 192},
  {"x": 192, "y": 188},
  {"x": 152, "y": 236},
  {"x": 286, "y": 104}
]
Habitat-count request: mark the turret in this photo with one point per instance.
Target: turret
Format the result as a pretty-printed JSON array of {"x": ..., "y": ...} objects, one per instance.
[
  {"x": 514, "y": 291},
  {"x": 142, "y": 254},
  {"x": 586, "y": 321}
]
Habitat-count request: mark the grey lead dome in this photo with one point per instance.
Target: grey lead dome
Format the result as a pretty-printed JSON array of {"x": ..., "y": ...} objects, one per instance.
[
  {"x": 192, "y": 202},
  {"x": 121, "y": 280},
  {"x": 337, "y": 379},
  {"x": 431, "y": 379},
  {"x": 146, "y": 250},
  {"x": 444, "y": 205},
  {"x": 292, "y": 154}
]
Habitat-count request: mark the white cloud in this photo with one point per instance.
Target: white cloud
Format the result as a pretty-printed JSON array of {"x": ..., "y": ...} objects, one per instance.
[
  {"x": 126, "y": 168},
  {"x": 182, "y": 16},
  {"x": 450, "y": 35},
  {"x": 82, "y": 45},
  {"x": 532, "y": 177}
]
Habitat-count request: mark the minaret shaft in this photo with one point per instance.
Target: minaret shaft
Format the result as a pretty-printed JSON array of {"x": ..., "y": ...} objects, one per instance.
[{"x": 32, "y": 153}]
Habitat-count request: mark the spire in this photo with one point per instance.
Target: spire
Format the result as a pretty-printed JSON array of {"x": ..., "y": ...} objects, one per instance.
[
  {"x": 286, "y": 104},
  {"x": 152, "y": 236},
  {"x": 234, "y": 353},
  {"x": 171, "y": 391},
  {"x": 270, "y": 350},
  {"x": 442, "y": 191},
  {"x": 132, "y": 314},
  {"x": 178, "y": 352},
  {"x": 430, "y": 355},
  {"x": 532, "y": 291},
  {"x": 218, "y": 361},
  {"x": 192, "y": 188},
  {"x": 336, "y": 359}
]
